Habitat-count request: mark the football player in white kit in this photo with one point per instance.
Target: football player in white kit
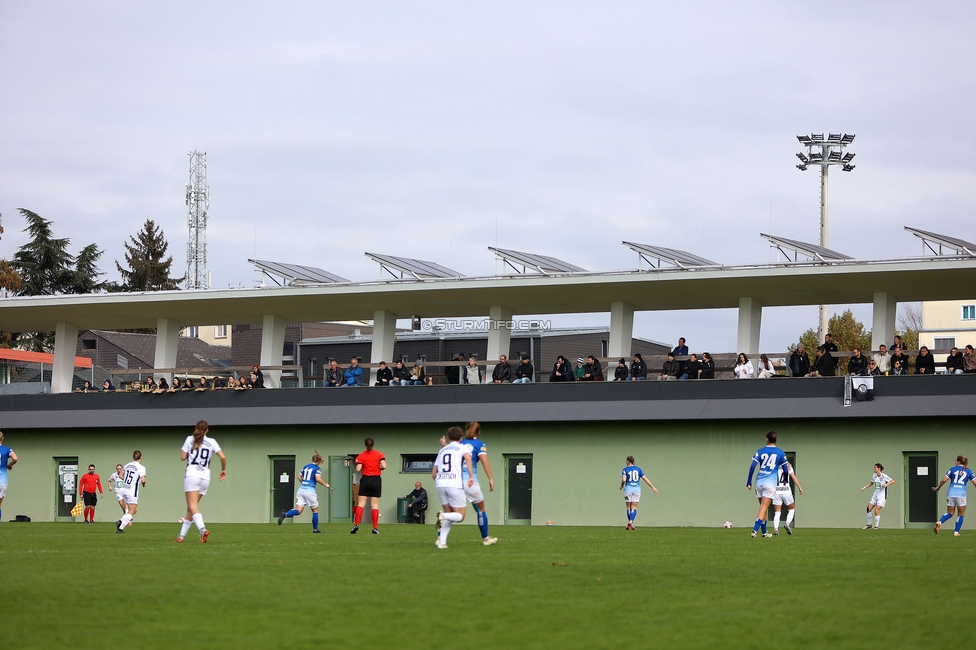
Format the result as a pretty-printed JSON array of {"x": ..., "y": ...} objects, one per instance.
[
  {"x": 446, "y": 473},
  {"x": 198, "y": 450},
  {"x": 133, "y": 477},
  {"x": 880, "y": 481},
  {"x": 116, "y": 483},
  {"x": 783, "y": 496}
]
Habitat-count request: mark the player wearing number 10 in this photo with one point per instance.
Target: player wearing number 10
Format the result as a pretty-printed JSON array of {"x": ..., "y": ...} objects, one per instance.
[
  {"x": 307, "y": 496},
  {"x": 959, "y": 477},
  {"x": 198, "y": 450},
  {"x": 630, "y": 483},
  {"x": 446, "y": 473},
  {"x": 770, "y": 460}
]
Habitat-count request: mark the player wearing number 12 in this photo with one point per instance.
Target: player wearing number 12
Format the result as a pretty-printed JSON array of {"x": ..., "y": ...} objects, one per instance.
[
  {"x": 959, "y": 478},
  {"x": 446, "y": 473},
  {"x": 770, "y": 460},
  {"x": 307, "y": 496},
  {"x": 630, "y": 482},
  {"x": 198, "y": 450}
]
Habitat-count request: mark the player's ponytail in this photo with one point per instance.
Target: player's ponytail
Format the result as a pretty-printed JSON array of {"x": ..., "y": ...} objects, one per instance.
[
  {"x": 771, "y": 437},
  {"x": 369, "y": 444},
  {"x": 879, "y": 466},
  {"x": 317, "y": 457},
  {"x": 630, "y": 459},
  {"x": 199, "y": 432},
  {"x": 474, "y": 430},
  {"x": 959, "y": 459}
]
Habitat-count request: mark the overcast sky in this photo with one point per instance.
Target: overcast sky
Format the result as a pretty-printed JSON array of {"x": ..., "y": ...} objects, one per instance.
[{"x": 434, "y": 130}]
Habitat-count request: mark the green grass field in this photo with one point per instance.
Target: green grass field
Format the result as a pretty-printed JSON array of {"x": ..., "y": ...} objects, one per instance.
[{"x": 269, "y": 586}]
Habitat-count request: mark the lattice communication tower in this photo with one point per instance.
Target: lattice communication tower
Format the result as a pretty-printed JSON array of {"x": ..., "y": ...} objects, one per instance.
[{"x": 197, "y": 203}]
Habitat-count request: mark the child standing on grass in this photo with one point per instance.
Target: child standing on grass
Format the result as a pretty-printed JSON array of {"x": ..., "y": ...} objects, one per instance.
[{"x": 960, "y": 476}]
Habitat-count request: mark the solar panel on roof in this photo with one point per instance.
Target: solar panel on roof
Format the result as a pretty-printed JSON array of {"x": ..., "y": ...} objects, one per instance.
[
  {"x": 813, "y": 251},
  {"x": 419, "y": 269},
  {"x": 679, "y": 258},
  {"x": 960, "y": 246},
  {"x": 298, "y": 273},
  {"x": 541, "y": 263}
]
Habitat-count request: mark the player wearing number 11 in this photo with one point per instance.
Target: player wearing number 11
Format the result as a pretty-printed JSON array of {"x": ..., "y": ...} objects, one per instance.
[
  {"x": 198, "y": 451},
  {"x": 307, "y": 496},
  {"x": 630, "y": 483},
  {"x": 770, "y": 460}
]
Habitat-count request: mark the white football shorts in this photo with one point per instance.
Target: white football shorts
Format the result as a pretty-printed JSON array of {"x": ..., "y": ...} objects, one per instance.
[
  {"x": 632, "y": 497},
  {"x": 128, "y": 498},
  {"x": 3, "y": 491},
  {"x": 765, "y": 491},
  {"x": 955, "y": 502},
  {"x": 878, "y": 499},
  {"x": 453, "y": 497},
  {"x": 783, "y": 498},
  {"x": 307, "y": 498},
  {"x": 196, "y": 484},
  {"x": 473, "y": 493}
]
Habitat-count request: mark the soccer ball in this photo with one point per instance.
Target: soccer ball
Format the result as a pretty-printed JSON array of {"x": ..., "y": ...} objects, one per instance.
[{"x": 728, "y": 524}]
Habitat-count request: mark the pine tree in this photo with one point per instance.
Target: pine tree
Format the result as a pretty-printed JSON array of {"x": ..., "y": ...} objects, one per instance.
[
  {"x": 144, "y": 254},
  {"x": 9, "y": 283}
]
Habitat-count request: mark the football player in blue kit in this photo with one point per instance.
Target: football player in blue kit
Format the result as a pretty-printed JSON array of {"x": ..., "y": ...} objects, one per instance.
[
  {"x": 307, "y": 496},
  {"x": 959, "y": 478},
  {"x": 630, "y": 482},
  {"x": 473, "y": 493},
  {"x": 770, "y": 460}
]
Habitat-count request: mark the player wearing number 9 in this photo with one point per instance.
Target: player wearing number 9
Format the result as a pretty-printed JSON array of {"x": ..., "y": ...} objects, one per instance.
[{"x": 198, "y": 450}]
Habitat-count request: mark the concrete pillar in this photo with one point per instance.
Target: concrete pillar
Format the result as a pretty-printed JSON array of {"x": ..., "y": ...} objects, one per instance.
[
  {"x": 883, "y": 323},
  {"x": 384, "y": 330},
  {"x": 167, "y": 339},
  {"x": 65, "y": 346},
  {"x": 272, "y": 348},
  {"x": 621, "y": 330},
  {"x": 750, "y": 321},
  {"x": 500, "y": 336}
]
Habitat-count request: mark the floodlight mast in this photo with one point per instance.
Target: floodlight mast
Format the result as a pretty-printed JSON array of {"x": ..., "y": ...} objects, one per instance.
[
  {"x": 830, "y": 151},
  {"x": 197, "y": 203}
]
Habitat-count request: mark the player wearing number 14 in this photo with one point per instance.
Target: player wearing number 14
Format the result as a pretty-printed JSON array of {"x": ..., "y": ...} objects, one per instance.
[
  {"x": 307, "y": 496},
  {"x": 198, "y": 450}
]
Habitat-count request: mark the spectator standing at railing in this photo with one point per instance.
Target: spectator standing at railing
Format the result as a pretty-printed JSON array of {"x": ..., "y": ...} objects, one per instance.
[
  {"x": 621, "y": 372},
  {"x": 524, "y": 372},
  {"x": 561, "y": 370},
  {"x": 681, "y": 350},
  {"x": 897, "y": 343},
  {"x": 897, "y": 355},
  {"x": 707, "y": 367},
  {"x": 823, "y": 364},
  {"x": 353, "y": 375},
  {"x": 828, "y": 344},
  {"x": 883, "y": 359},
  {"x": 383, "y": 375},
  {"x": 638, "y": 369},
  {"x": 453, "y": 373},
  {"x": 257, "y": 378},
  {"x": 593, "y": 369},
  {"x": 799, "y": 362},
  {"x": 969, "y": 360},
  {"x": 333, "y": 376},
  {"x": 924, "y": 362},
  {"x": 671, "y": 368},
  {"x": 471, "y": 373},
  {"x": 401, "y": 375},
  {"x": 743, "y": 367},
  {"x": 857, "y": 363},
  {"x": 954, "y": 362},
  {"x": 502, "y": 374}
]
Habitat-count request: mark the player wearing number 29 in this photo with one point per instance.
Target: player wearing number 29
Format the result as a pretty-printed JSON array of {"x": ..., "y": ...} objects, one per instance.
[
  {"x": 307, "y": 496},
  {"x": 198, "y": 450},
  {"x": 446, "y": 473},
  {"x": 770, "y": 460},
  {"x": 959, "y": 478},
  {"x": 630, "y": 483}
]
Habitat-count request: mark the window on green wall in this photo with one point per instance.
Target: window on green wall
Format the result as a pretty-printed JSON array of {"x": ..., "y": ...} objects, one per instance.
[{"x": 417, "y": 463}]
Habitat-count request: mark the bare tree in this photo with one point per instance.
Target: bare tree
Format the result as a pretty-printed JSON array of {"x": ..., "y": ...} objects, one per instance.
[{"x": 911, "y": 316}]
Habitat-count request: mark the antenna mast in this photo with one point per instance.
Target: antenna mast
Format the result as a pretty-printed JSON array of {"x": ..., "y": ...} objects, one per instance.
[{"x": 197, "y": 202}]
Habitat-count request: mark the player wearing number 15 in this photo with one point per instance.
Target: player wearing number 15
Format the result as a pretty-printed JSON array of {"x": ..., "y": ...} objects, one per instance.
[
  {"x": 770, "y": 460},
  {"x": 198, "y": 450},
  {"x": 630, "y": 482},
  {"x": 307, "y": 496},
  {"x": 959, "y": 478},
  {"x": 133, "y": 477},
  {"x": 446, "y": 473}
]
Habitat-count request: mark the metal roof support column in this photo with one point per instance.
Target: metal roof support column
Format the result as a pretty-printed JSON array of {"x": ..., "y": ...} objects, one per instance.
[
  {"x": 621, "y": 330},
  {"x": 384, "y": 330},
  {"x": 167, "y": 340},
  {"x": 883, "y": 323},
  {"x": 750, "y": 321},
  {"x": 65, "y": 346},
  {"x": 500, "y": 336},
  {"x": 272, "y": 348}
]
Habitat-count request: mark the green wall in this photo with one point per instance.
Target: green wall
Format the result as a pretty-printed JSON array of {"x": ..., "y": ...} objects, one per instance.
[{"x": 699, "y": 467}]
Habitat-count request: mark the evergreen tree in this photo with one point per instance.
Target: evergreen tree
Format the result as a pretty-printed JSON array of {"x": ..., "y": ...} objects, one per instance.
[
  {"x": 9, "y": 284},
  {"x": 144, "y": 255}
]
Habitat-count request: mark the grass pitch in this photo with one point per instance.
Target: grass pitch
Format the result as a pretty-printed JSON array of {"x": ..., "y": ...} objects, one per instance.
[{"x": 541, "y": 587}]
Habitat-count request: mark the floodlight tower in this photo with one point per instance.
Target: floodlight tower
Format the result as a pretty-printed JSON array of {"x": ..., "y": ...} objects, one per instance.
[
  {"x": 825, "y": 153},
  {"x": 197, "y": 202}
]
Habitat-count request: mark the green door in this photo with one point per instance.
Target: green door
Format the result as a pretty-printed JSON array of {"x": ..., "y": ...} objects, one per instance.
[
  {"x": 518, "y": 490},
  {"x": 921, "y": 475},
  {"x": 340, "y": 497}
]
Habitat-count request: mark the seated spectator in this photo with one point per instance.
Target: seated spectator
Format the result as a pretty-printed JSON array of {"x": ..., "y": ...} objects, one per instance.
[
  {"x": 524, "y": 372},
  {"x": 766, "y": 369},
  {"x": 638, "y": 369},
  {"x": 621, "y": 372},
  {"x": 135, "y": 386},
  {"x": 857, "y": 363},
  {"x": 203, "y": 384},
  {"x": 502, "y": 374},
  {"x": 417, "y": 503},
  {"x": 580, "y": 369},
  {"x": 151, "y": 383},
  {"x": 671, "y": 368},
  {"x": 217, "y": 382},
  {"x": 257, "y": 379},
  {"x": 897, "y": 370},
  {"x": 593, "y": 371},
  {"x": 453, "y": 373},
  {"x": 969, "y": 360},
  {"x": 244, "y": 383},
  {"x": 417, "y": 375},
  {"x": 86, "y": 388},
  {"x": 471, "y": 373},
  {"x": 163, "y": 384},
  {"x": 707, "y": 367},
  {"x": 692, "y": 368},
  {"x": 561, "y": 370},
  {"x": 401, "y": 375},
  {"x": 883, "y": 359},
  {"x": 897, "y": 355},
  {"x": 187, "y": 384},
  {"x": 924, "y": 362},
  {"x": 334, "y": 375},
  {"x": 743, "y": 367},
  {"x": 231, "y": 383},
  {"x": 872, "y": 369},
  {"x": 352, "y": 376},
  {"x": 383, "y": 375},
  {"x": 954, "y": 363},
  {"x": 799, "y": 363},
  {"x": 823, "y": 364}
]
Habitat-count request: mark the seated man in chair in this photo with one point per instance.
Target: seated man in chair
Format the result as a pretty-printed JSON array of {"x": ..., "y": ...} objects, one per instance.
[{"x": 418, "y": 503}]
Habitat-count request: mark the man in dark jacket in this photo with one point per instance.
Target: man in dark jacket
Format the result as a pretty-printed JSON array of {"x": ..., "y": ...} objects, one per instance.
[
  {"x": 823, "y": 364},
  {"x": 799, "y": 362},
  {"x": 857, "y": 364},
  {"x": 333, "y": 376},
  {"x": 828, "y": 344},
  {"x": 593, "y": 370},
  {"x": 692, "y": 368},
  {"x": 671, "y": 368},
  {"x": 924, "y": 362},
  {"x": 418, "y": 503},
  {"x": 502, "y": 374},
  {"x": 383, "y": 375},
  {"x": 453, "y": 373},
  {"x": 621, "y": 372},
  {"x": 638, "y": 369},
  {"x": 524, "y": 372},
  {"x": 401, "y": 375}
]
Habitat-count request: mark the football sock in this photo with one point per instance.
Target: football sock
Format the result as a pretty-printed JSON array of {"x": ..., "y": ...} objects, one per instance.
[
  {"x": 445, "y": 528},
  {"x": 359, "y": 515},
  {"x": 869, "y": 517},
  {"x": 762, "y": 524},
  {"x": 776, "y": 517},
  {"x": 877, "y": 521},
  {"x": 483, "y": 524},
  {"x": 126, "y": 518},
  {"x": 453, "y": 516},
  {"x": 789, "y": 517},
  {"x": 946, "y": 517},
  {"x": 315, "y": 521},
  {"x": 959, "y": 523},
  {"x": 755, "y": 527},
  {"x": 292, "y": 513},
  {"x": 198, "y": 520},
  {"x": 185, "y": 528},
  {"x": 376, "y": 517},
  {"x": 1, "y": 515}
]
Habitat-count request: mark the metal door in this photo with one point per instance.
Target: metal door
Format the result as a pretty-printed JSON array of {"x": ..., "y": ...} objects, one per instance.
[
  {"x": 921, "y": 475},
  {"x": 66, "y": 490},
  {"x": 340, "y": 498},
  {"x": 282, "y": 484},
  {"x": 518, "y": 493}
]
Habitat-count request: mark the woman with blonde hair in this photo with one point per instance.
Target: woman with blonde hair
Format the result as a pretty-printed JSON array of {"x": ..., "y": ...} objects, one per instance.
[{"x": 198, "y": 450}]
